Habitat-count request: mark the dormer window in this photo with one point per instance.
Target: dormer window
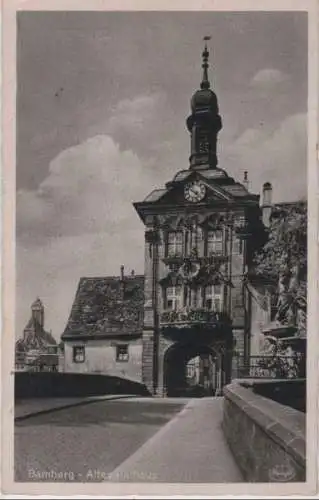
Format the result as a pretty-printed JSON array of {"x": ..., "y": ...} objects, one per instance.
[
  {"x": 174, "y": 243},
  {"x": 214, "y": 242}
]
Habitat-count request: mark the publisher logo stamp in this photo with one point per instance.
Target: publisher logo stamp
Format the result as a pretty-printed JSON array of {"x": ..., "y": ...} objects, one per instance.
[{"x": 282, "y": 473}]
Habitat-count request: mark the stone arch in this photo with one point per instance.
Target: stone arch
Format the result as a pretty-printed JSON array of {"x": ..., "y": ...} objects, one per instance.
[{"x": 211, "y": 367}]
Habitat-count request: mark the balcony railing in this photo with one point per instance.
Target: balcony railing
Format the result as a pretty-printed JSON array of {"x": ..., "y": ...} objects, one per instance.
[
  {"x": 193, "y": 316},
  {"x": 270, "y": 367}
]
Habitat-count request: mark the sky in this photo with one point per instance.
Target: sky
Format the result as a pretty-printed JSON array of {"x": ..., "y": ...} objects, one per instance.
[{"x": 102, "y": 99}]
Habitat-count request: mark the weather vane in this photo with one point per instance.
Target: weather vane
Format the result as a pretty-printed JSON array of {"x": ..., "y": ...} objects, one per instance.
[
  {"x": 206, "y": 38},
  {"x": 205, "y": 82}
]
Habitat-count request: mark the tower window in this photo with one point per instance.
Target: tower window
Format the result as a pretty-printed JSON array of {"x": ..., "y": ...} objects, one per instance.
[
  {"x": 174, "y": 243},
  {"x": 215, "y": 242},
  {"x": 78, "y": 354},
  {"x": 202, "y": 141},
  {"x": 173, "y": 298},
  {"x": 122, "y": 352},
  {"x": 214, "y": 298}
]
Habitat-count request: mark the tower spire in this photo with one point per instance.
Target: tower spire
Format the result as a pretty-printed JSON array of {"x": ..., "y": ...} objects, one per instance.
[
  {"x": 205, "y": 84},
  {"x": 204, "y": 122}
]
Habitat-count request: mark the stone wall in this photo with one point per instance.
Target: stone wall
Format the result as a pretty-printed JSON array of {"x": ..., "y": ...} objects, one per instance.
[
  {"x": 266, "y": 438},
  {"x": 100, "y": 357},
  {"x": 50, "y": 385}
]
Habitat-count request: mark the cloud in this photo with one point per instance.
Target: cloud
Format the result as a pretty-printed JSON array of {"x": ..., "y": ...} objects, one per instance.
[
  {"x": 135, "y": 113},
  {"x": 89, "y": 189},
  {"x": 79, "y": 221},
  {"x": 268, "y": 78},
  {"x": 138, "y": 123},
  {"x": 273, "y": 157}
]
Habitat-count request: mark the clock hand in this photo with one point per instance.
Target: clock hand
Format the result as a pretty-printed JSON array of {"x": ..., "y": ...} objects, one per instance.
[{"x": 192, "y": 190}]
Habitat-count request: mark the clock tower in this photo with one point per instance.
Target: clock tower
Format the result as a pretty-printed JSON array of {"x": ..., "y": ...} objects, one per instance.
[{"x": 201, "y": 231}]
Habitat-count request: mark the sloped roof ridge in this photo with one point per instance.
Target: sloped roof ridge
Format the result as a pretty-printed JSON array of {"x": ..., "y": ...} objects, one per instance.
[{"x": 111, "y": 277}]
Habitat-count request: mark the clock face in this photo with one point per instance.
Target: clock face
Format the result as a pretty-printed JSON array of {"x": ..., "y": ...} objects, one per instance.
[{"x": 194, "y": 191}]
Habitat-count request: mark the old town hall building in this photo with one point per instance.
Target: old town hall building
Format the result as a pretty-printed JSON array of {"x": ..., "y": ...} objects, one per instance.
[
  {"x": 189, "y": 313},
  {"x": 201, "y": 231}
]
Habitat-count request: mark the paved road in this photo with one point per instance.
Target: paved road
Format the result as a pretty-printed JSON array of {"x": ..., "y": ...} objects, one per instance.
[
  {"x": 191, "y": 448},
  {"x": 87, "y": 443}
]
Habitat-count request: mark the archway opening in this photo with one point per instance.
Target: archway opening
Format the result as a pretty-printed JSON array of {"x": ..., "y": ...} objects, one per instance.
[{"x": 193, "y": 370}]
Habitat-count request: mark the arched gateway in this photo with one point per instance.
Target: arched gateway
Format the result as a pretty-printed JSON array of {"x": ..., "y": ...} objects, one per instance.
[
  {"x": 194, "y": 370},
  {"x": 200, "y": 232}
]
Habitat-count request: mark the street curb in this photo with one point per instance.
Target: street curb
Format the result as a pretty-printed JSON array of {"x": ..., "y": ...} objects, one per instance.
[{"x": 93, "y": 399}]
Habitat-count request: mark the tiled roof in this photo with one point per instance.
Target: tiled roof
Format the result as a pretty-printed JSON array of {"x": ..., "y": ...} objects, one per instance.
[{"x": 107, "y": 307}]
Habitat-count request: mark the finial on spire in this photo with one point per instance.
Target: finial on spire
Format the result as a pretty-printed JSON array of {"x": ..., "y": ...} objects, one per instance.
[{"x": 205, "y": 82}]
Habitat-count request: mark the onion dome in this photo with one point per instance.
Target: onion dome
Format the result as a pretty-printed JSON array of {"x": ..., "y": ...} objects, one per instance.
[{"x": 204, "y": 97}]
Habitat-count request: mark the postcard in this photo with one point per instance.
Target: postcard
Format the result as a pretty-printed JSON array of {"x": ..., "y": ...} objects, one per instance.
[{"x": 160, "y": 248}]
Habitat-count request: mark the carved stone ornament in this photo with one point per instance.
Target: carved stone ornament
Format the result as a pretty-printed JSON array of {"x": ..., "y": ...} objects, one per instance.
[{"x": 189, "y": 269}]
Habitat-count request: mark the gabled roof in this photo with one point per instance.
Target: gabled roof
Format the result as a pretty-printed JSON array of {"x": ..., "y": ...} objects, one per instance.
[{"x": 107, "y": 307}]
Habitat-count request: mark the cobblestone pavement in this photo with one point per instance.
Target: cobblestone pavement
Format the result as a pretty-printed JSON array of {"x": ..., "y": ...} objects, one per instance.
[{"x": 85, "y": 443}]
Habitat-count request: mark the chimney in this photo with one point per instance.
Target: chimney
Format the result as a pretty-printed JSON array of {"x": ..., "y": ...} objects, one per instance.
[
  {"x": 122, "y": 284},
  {"x": 266, "y": 203},
  {"x": 246, "y": 181}
]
